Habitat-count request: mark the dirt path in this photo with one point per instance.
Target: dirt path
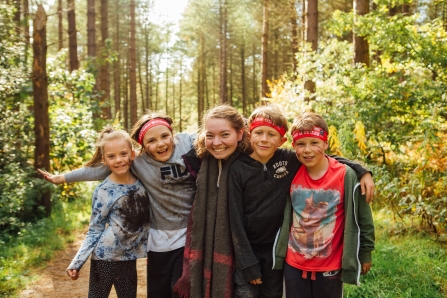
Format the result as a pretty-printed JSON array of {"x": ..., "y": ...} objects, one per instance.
[{"x": 53, "y": 281}]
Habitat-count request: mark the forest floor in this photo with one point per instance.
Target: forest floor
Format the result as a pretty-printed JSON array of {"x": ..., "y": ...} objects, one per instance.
[{"x": 53, "y": 281}]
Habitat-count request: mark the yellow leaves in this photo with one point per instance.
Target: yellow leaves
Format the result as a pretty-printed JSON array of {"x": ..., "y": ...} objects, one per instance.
[
  {"x": 388, "y": 66},
  {"x": 360, "y": 136},
  {"x": 334, "y": 141}
]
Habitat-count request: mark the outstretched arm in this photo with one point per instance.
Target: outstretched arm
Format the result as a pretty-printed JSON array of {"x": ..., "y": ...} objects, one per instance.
[
  {"x": 55, "y": 179},
  {"x": 94, "y": 173}
]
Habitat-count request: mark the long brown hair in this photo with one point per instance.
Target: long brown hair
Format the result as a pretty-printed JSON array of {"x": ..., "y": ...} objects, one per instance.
[
  {"x": 229, "y": 113},
  {"x": 107, "y": 134}
]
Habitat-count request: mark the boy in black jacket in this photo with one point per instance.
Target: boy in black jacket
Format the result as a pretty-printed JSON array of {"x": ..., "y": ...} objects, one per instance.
[{"x": 259, "y": 186}]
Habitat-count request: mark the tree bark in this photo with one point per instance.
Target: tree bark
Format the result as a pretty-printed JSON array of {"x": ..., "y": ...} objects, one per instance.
[
  {"x": 117, "y": 75},
  {"x": 243, "y": 85},
  {"x": 91, "y": 28},
  {"x": 311, "y": 35},
  {"x": 294, "y": 23},
  {"x": 72, "y": 38},
  {"x": 104, "y": 69},
  {"x": 264, "y": 63},
  {"x": 133, "y": 65},
  {"x": 146, "y": 42},
  {"x": 17, "y": 16},
  {"x": 40, "y": 90},
  {"x": 361, "y": 46},
  {"x": 59, "y": 25},
  {"x": 26, "y": 20},
  {"x": 223, "y": 51}
]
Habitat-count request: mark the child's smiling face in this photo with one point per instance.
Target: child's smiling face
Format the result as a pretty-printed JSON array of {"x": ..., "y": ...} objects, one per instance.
[
  {"x": 117, "y": 155},
  {"x": 221, "y": 139},
  {"x": 158, "y": 142},
  {"x": 264, "y": 142}
]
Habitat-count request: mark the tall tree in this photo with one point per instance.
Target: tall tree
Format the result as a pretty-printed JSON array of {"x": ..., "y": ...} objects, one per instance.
[
  {"x": 311, "y": 34},
  {"x": 72, "y": 36},
  {"x": 117, "y": 67},
  {"x": 40, "y": 90},
  {"x": 91, "y": 29},
  {"x": 132, "y": 66},
  {"x": 59, "y": 25},
  {"x": 223, "y": 22},
  {"x": 104, "y": 69},
  {"x": 361, "y": 46},
  {"x": 264, "y": 49}
]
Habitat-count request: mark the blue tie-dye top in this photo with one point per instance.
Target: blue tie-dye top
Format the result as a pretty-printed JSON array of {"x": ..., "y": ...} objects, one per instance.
[{"x": 119, "y": 224}]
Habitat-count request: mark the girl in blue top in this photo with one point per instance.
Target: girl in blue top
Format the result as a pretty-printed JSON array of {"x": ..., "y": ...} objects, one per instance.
[{"x": 119, "y": 223}]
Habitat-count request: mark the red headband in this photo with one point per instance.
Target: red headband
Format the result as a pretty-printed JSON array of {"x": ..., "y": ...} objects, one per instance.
[
  {"x": 151, "y": 123},
  {"x": 267, "y": 122},
  {"x": 317, "y": 132}
]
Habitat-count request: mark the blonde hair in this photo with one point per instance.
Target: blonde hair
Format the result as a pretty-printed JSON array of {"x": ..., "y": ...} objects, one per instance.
[
  {"x": 106, "y": 135},
  {"x": 230, "y": 114},
  {"x": 150, "y": 115},
  {"x": 307, "y": 121},
  {"x": 272, "y": 113}
]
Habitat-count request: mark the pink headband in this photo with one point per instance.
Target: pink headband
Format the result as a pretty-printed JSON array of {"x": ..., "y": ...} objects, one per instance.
[
  {"x": 317, "y": 132},
  {"x": 267, "y": 122},
  {"x": 151, "y": 123}
]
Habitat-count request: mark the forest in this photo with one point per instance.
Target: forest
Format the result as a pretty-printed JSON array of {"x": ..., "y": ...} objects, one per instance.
[{"x": 375, "y": 69}]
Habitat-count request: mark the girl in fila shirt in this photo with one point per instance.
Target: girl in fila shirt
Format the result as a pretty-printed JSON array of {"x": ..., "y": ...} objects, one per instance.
[
  {"x": 161, "y": 168},
  {"x": 119, "y": 224}
]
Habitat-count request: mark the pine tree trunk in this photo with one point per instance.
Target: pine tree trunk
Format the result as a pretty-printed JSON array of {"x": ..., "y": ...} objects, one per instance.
[
  {"x": 264, "y": 63},
  {"x": 40, "y": 90},
  {"x": 91, "y": 29},
  {"x": 311, "y": 34},
  {"x": 26, "y": 20},
  {"x": 294, "y": 23},
  {"x": 140, "y": 80},
  {"x": 104, "y": 69},
  {"x": 133, "y": 64},
  {"x": 361, "y": 46},
  {"x": 117, "y": 75},
  {"x": 223, "y": 51},
  {"x": 166, "y": 90},
  {"x": 180, "y": 128},
  {"x": 59, "y": 25},
  {"x": 148, "y": 72},
  {"x": 243, "y": 86},
  {"x": 17, "y": 16},
  {"x": 72, "y": 38}
]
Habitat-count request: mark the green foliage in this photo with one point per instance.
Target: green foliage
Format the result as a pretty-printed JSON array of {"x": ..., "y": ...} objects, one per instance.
[
  {"x": 404, "y": 265},
  {"x": 72, "y": 135},
  {"x": 400, "y": 101},
  {"x": 36, "y": 242}
]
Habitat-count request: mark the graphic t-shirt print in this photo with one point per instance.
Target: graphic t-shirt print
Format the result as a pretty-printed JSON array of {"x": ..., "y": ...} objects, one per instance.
[{"x": 314, "y": 221}]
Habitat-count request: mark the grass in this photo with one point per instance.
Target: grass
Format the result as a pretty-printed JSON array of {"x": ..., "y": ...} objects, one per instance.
[
  {"x": 406, "y": 264},
  {"x": 36, "y": 244}
]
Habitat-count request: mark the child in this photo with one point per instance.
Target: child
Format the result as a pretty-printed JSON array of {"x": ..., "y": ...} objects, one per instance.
[
  {"x": 258, "y": 191},
  {"x": 208, "y": 260},
  {"x": 332, "y": 234},
  {"x": 121, "y": 203},
  {"x": 162, "y": 169}
]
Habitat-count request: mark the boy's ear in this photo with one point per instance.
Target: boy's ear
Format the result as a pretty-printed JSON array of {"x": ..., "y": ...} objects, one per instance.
[
  {"x": 326, "y": 145},
  {"x": 283, "y": 140}
]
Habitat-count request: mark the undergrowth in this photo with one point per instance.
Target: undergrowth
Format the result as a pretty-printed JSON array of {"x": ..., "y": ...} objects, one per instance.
[
  {"x": 407, "y": 262},
  {"x": 36, "y": 243}
]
